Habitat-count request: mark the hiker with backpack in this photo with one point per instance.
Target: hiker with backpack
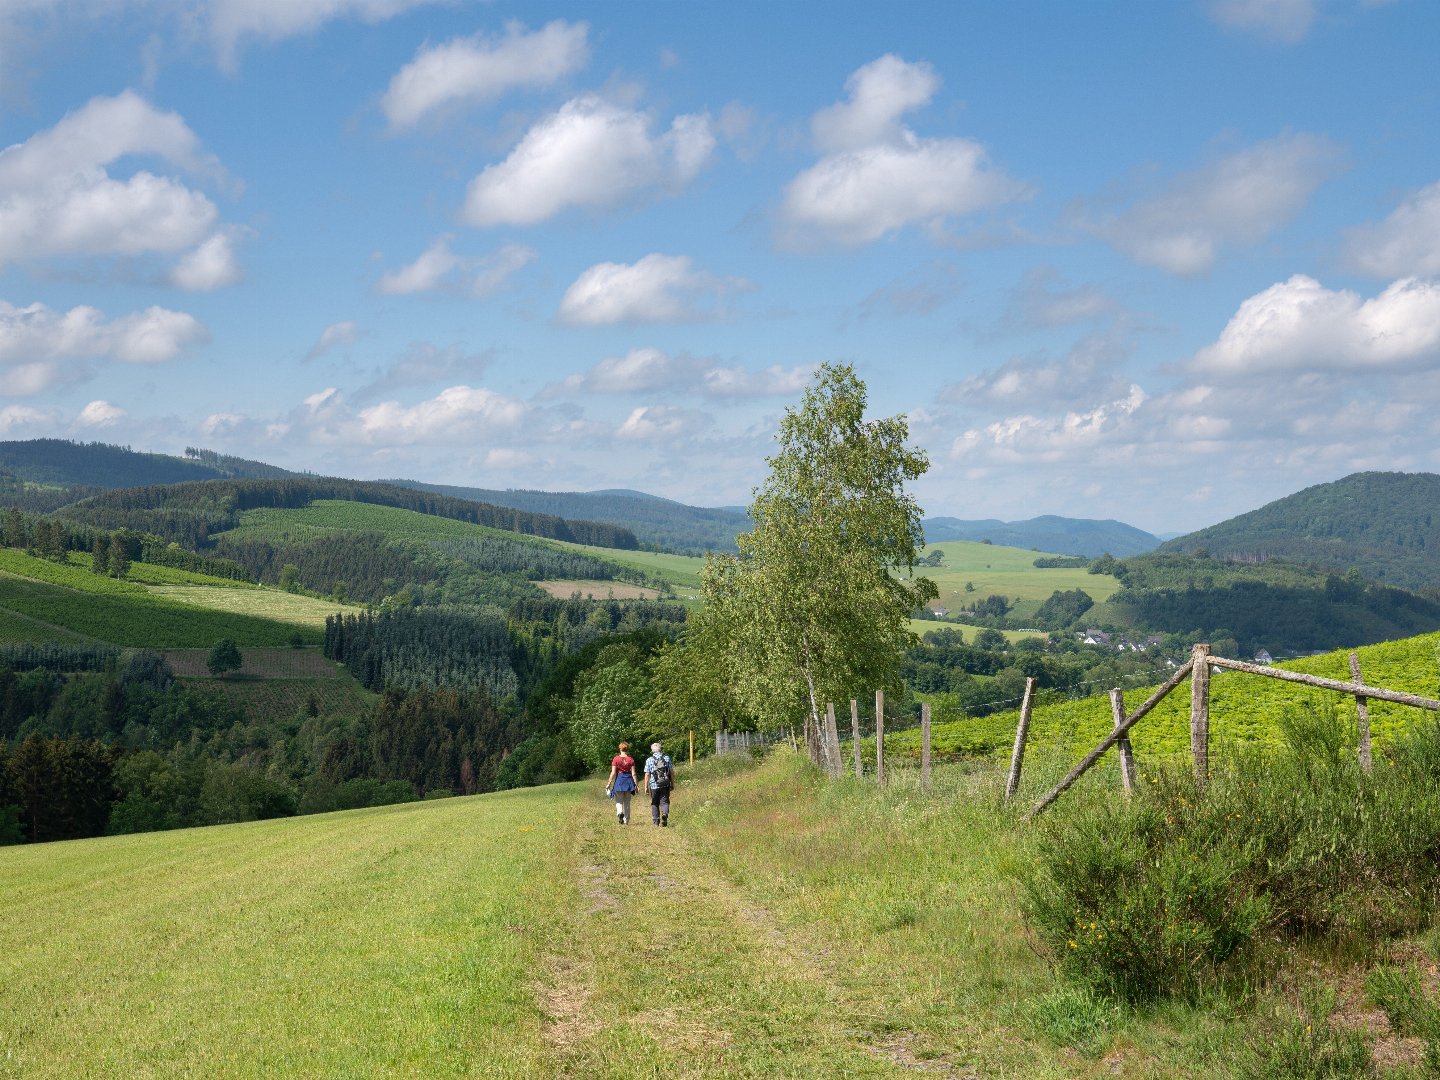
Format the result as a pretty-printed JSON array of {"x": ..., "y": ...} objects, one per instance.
[
  {"x": 659, "y": 779},
  {"x": 623, "y": 783}
]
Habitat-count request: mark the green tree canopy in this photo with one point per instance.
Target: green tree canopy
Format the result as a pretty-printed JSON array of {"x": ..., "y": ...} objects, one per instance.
[
  {"x": 815, "y": 606},
  {"x": 224, "y": 656}
]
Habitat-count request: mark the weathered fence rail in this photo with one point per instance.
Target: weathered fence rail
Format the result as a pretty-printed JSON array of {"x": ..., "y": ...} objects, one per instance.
[{"x": 1198, "y": 671}]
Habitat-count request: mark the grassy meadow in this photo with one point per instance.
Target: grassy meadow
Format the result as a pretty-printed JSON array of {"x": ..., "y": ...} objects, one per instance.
[
  {"x": 1009, "y": 572},
  {"x": 783, "y": 926}
]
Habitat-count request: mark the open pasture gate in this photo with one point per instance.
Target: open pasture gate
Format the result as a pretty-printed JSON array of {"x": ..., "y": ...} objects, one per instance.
[{"x": 1197, "y": 669}]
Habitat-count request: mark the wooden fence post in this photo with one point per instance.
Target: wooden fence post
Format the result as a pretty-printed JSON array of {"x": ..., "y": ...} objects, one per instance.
[
  {"x": 692, "y": 747},
  {"x": 1122, "y": 747},
  {"x": 1362, "y": 715},
  {"x": 880, "y": 736},
  {"x": 855, "y": 737},
  {"x": 832, "y": 743},
  {"x": 925, "y": 746},
  {"x": 1200, "y": 712},
  {"x": 1022, "y": 732}
]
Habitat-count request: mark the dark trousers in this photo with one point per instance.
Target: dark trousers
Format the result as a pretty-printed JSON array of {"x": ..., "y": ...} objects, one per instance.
[{"x": 659, "y": 805}]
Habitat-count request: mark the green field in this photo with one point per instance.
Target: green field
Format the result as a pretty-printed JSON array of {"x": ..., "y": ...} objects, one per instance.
[
  {"x": 783, "y": 927},
  {"x": 1243, "y": 709},
  {"x": 327, "y": 515},
  {"x": 103, "y": 609},
  {"x": 271, "y": 604},
  {"x": 1009, "y": 572},
  {"x": 680, "y": 571}
]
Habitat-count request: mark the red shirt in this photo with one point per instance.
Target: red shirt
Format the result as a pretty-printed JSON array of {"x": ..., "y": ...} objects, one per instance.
[{"x": 622, "y": 763}]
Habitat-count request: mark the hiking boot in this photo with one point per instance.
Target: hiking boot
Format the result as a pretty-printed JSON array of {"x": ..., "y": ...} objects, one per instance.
[{"x": 665, "y": 822}]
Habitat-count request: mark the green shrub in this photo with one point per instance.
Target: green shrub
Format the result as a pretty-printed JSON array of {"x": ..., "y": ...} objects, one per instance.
[{"x": 1171, "y": 891}]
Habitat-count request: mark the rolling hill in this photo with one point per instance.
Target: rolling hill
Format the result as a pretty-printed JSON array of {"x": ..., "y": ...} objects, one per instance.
[
  {"x": 1048, "y": 533},
  {"x": 1385, "y": 525},
  {"x": 657, "y": 523}
]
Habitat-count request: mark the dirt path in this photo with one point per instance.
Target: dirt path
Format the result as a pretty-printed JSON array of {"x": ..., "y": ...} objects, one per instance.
[{"x": 667, "y": 968}]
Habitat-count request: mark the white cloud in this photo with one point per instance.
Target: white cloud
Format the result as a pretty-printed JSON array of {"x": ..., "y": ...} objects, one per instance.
[
  {"x": 231, "y": 21},
  {"x": 774, "y": 381},
  {"x": 334, "y": 335},
  {"x": 1048, "y": 438},
  {"x": 647, "y": 370},
  {"x": 57, "y": 197},
  {"x": 1407, "y": 242},
  {"x": 99, "y": 414},
  {"x": 877, "y": 176},
  {"x": 481, "y": 68},
  {"x": 880, "y": 93},
  {"x": 657, "y": 288},
  {"x": 1086, "y": 372},
  {"x": 661, "y": 423},
  {"x": 37, "y": 343},
  {"x": 209, "y": 267},
  {"x": 591, "y": 153},
  {"x": 1286, "y": 21},
  {"x": 459, "y": 412},
  {"x": 15, "y": 419},
  {"x": 440, "y": 268},
  {"x": 1237, "y": 200},
  {"x": 1299, "y": 325},
  {"x": 1043, "y": 299}
]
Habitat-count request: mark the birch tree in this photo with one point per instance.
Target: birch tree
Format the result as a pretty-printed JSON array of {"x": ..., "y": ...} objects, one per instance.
[{"x": 814, "y": 608}]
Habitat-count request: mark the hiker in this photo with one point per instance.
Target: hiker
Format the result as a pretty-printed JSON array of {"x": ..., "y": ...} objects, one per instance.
[
  {"x": 623, "y": 782},
  {"x": 659, "y": 779}
]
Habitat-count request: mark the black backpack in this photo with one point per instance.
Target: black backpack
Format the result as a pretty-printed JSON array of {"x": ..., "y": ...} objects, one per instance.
[{"x": 663, "y": 774}]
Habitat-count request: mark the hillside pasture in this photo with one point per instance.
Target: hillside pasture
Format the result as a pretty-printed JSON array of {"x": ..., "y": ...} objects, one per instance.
[
  {"x": 16, "y": 628},
  {"x": 681, "y": 572},
  {"x": 1008, "y": 572},
  {"x": 137, "y": 618},
  {"x": 329, "y": 515},
  {"x": 1244, "y": 710},
  {"x": 272, "y": 604},
  {"x": 598, "y": 590}
]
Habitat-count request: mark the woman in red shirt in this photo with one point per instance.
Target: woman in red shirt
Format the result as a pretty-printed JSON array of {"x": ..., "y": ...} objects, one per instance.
[{"x": 623, "y": 782}]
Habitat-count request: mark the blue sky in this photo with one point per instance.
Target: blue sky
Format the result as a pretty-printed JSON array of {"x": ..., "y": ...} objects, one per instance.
[{"x": 1161, "y": 262}]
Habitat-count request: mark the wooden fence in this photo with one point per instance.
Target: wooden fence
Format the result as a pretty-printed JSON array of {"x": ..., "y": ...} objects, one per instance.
[{"x": 1197, "y": 670}]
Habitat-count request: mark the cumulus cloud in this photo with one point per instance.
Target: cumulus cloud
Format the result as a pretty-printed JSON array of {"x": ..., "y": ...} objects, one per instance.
[
  {"x": 591, "y": 153},
  {"x": 661, "y": 423},
  {"x": 647, "y": 370},
  {"x": 57, "y": 197},
  {"x": 877, "y": 176},
  {"x": 458, "y": 412},
  {"x": 99, "y": 414},
  {"x": 482, "y": 68},
  {"x": 1043, "y": 299},
  {"x": 37, "y": 343},
  {"x": 19, "y": 419},
  {"x": 1407, "y": 242},
  {"x": 657, "y": 288},
  {"x": 1299, "y": 325},
  {"x": 1086, "y": 372},
  {"x": 232, "y": 21},
  {"x": 439, "y": 268},
  {"x": 1237, "y": 200},
  {"x": 334, "y": 335},
  {"x": 209, "y": 267},
  {"x": 1049, "y": 438},
  {"x": 421, "y": 364},
  {"x": 1285, "y": 21}
]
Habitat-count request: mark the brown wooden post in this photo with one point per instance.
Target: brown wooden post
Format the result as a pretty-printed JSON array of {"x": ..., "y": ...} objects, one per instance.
[
  {"x": 925, "y": 745},
  {"x": 1022, "y": 732},
  {"x": 880, "y": 736},
  {"x": 832, "y": 742},
  {"x": 1362, "y": 715},
  {"x": 1122, "y": 746},
  {"x": 855, "y": 737},
  {"x": 1200, "y": 712}
]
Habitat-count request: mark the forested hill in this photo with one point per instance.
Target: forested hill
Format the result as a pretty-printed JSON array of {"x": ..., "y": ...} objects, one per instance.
[
  {"x": 657, "y": 523},
  {"x": 1059, "y": 535},
  {"x": 189, "y": 514},
  {"x": 62, "y": 463},
  {"x": 1386, "y": 525}
]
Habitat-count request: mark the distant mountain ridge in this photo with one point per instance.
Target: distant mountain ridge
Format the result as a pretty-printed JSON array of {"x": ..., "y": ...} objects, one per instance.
[
  {"x": 1049, "y": 533},
  {"x": 657, "y": 522},
  {"x": 1386, "y": 525},
  {"x": 103, "y": 465}
]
